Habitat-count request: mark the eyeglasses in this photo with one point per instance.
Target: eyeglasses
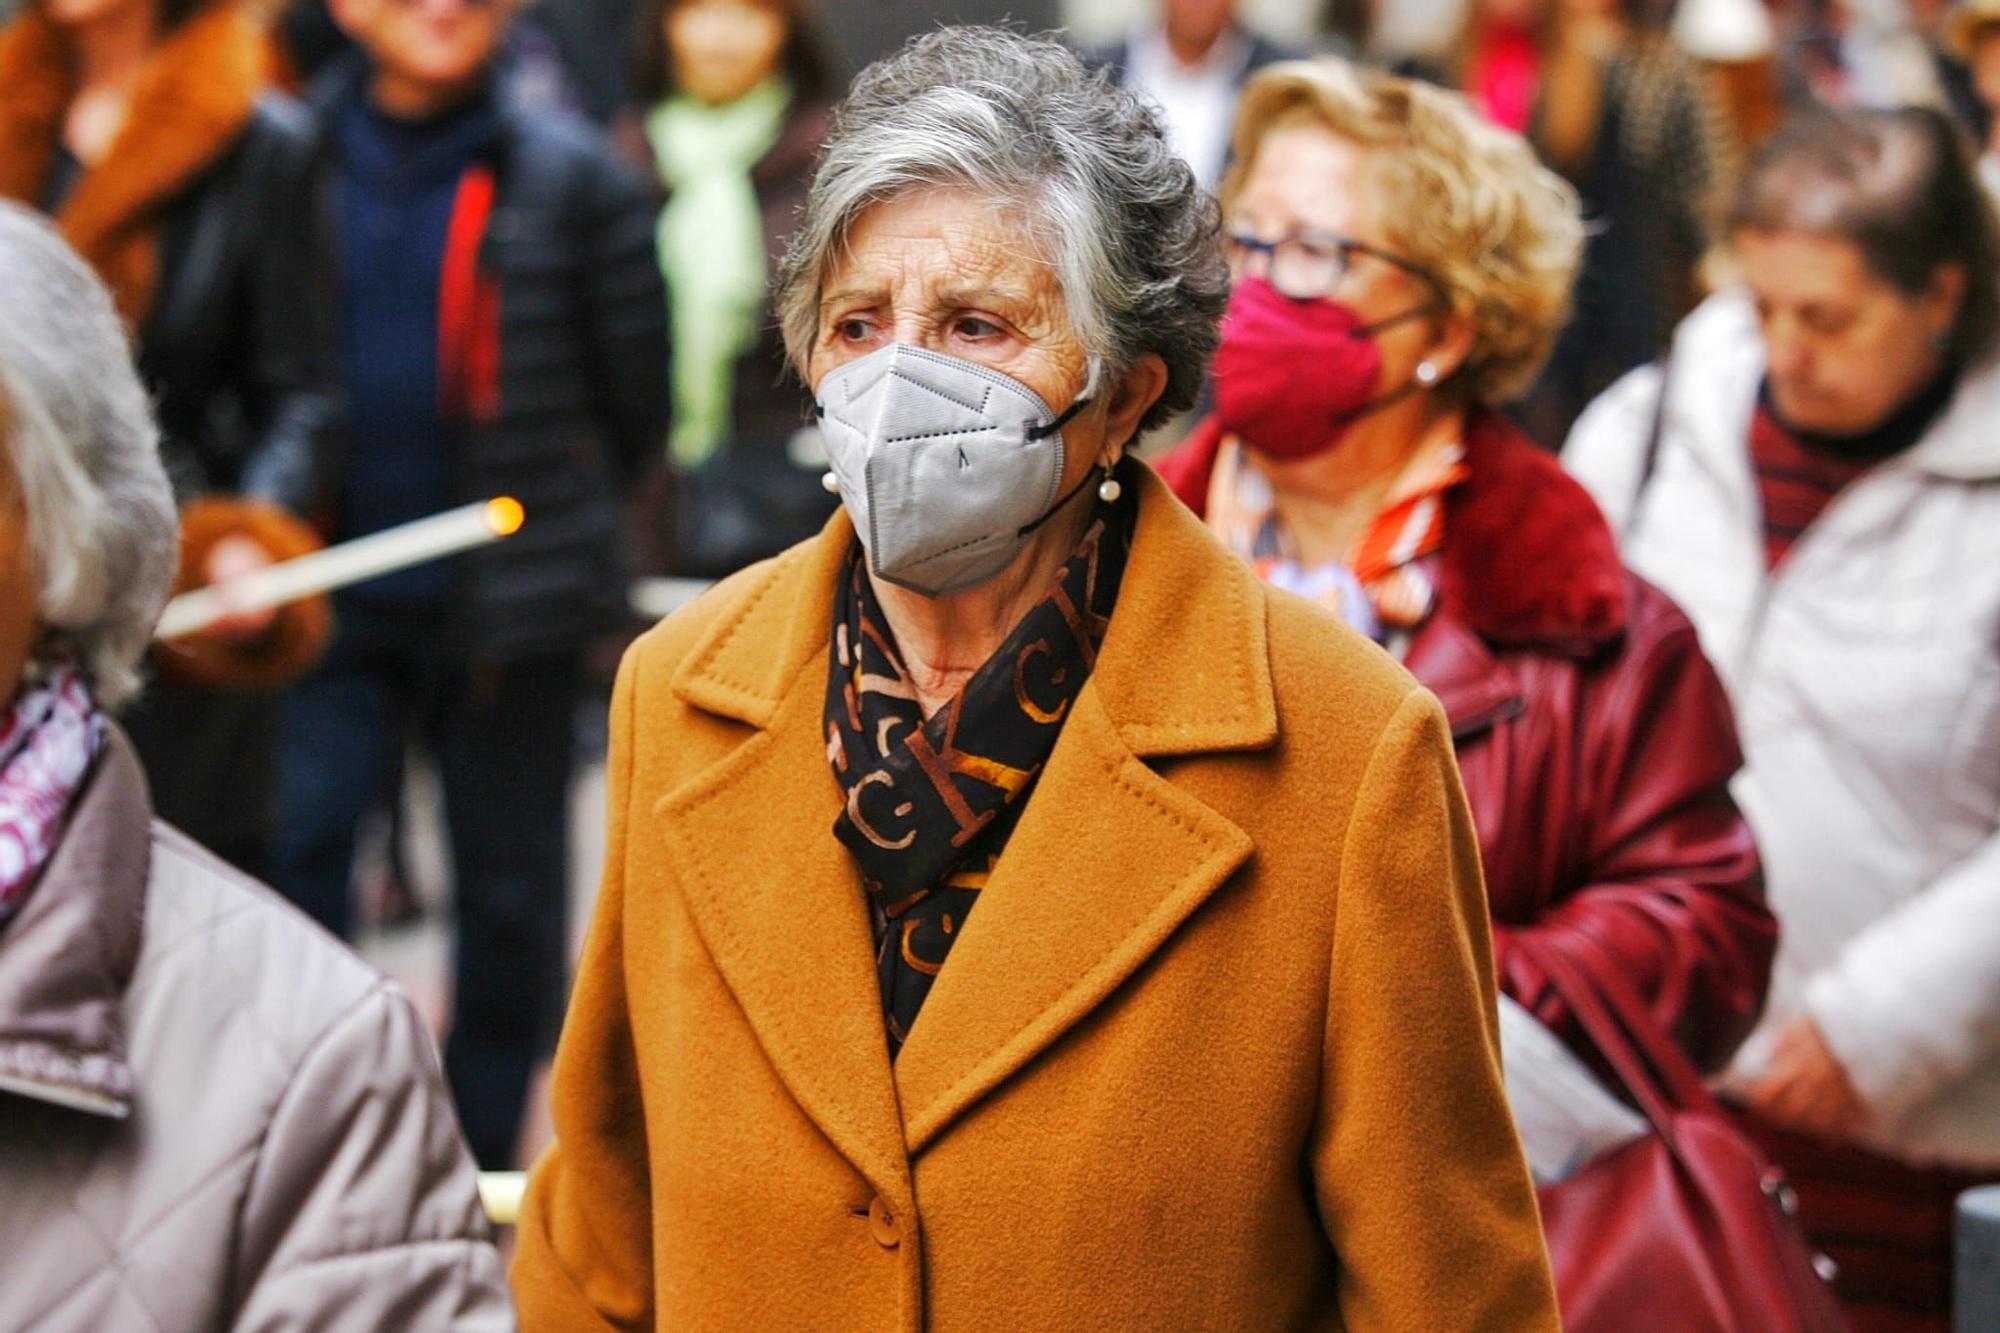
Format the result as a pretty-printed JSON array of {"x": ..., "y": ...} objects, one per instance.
[{"x": 1309, "y": 264}]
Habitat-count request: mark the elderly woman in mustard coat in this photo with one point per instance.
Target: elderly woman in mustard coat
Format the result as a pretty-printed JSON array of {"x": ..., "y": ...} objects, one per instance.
[{"x": 1016, "y": 915}]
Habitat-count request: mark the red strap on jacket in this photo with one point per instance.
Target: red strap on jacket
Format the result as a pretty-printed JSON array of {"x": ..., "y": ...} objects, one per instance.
[{"x": 469, "y": 308}]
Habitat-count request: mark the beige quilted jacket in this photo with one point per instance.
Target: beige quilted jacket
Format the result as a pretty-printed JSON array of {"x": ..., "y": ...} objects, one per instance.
[{"x": 212, "y": 1116}]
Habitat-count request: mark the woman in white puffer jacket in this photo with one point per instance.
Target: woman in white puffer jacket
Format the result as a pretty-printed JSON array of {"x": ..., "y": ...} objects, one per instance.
[{"x": 1821, "y": 493}]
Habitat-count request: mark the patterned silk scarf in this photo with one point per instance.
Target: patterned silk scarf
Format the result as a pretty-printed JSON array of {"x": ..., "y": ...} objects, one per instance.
[
  {"x": 1387, "y": 582},
  {"x": 930, "y": 803},
  {"x": 47, "y": 743}
]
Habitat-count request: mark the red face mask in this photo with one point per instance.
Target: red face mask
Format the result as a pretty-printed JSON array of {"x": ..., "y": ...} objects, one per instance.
[{"x": 1292, "y": 376}]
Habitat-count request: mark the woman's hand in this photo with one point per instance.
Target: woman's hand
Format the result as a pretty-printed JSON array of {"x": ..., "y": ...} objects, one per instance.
[
  {"x": 1806, "y": 1088},
  {"x": 229, "y": 559}
]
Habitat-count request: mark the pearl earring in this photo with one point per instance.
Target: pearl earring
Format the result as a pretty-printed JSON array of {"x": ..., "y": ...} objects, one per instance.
[
  {"x": 1427, "y": 373},
  {"x": 1109, "y": 490},
  {"x": 830, "y": 482}
]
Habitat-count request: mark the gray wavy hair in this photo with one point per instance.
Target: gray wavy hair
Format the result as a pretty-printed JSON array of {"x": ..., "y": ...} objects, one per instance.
[
  {"x": 1134, "y": 240},
  {"x": 77, "y": 428}
]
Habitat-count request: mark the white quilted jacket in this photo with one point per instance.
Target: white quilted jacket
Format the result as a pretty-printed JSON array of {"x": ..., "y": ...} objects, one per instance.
[{"x": 1865, "y": 674}]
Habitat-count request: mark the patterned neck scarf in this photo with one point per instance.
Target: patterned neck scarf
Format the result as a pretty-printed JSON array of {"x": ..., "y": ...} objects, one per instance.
[
  {"x": 930, "y": 803},
  {"x": 47, "y": 743},
  {"x": 1387, "y": 582}
]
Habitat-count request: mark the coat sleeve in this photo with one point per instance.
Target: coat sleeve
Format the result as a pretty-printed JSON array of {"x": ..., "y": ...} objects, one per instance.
[
  {"x": 585, "y": 1241},
  {"x": 1671, "y": 889},
  {"x": 1912, "y": 1004},
  {"x": 625, "y": 314},
  {"x": 289, "y": 367},
  {"x": 363, "y": 1211},
  {"x": 1419, "y": 1174}
]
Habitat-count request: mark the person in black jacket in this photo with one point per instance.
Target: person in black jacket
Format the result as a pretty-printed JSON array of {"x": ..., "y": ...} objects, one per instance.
[
  {"x": 143, "y": 129},
  {"x": 501, "y": 329}
]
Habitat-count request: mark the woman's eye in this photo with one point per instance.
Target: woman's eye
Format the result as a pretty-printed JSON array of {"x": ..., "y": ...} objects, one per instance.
[
  {"x": 971, "y": 326},
  {"x": 852, "y": 330}
]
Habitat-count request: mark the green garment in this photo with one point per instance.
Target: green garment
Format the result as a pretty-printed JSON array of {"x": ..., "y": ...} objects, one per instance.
[{"x": 711, "y": 243}]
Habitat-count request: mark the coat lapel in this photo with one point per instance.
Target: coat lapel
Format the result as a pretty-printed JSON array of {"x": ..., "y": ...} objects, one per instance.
[
  {"x": 776, "y": 899},
  {"x": 66, "y": 960},
  {"x": 781, "y": 909},
  {"x": 1108, "y": 859}
]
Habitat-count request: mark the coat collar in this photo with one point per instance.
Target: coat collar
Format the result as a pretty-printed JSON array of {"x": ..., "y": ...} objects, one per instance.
[
  {"x": 194, "y": 96},
  {"x": 1180, "y": 587},
  {"x": 1184, "y": 670},
  {"x": 66, "y": 959}
]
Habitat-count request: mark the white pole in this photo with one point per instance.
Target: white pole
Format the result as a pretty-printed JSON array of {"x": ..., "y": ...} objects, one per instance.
[{"x": 339, "y": 566}]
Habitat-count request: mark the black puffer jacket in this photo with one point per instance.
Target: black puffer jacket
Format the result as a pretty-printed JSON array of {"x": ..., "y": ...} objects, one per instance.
[
  {"x": 583, "y": 383},
  {"x": 235, "y": 346}
]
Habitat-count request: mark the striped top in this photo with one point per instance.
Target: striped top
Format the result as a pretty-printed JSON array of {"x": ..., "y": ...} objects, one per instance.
[
  {"x": 1795, "y": 483},
  {"x": 1800, "y": 472}
]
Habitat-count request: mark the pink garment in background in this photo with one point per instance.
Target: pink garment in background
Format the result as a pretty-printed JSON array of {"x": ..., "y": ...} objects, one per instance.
[{"x": 1505, "y": 76}]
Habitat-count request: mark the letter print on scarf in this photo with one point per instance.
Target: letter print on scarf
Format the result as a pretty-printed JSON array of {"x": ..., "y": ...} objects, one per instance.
[{"x": 930, "y": 803}]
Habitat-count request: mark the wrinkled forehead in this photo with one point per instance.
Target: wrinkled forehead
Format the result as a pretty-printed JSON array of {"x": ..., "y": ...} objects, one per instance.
[{"x": 942, "y": 247}]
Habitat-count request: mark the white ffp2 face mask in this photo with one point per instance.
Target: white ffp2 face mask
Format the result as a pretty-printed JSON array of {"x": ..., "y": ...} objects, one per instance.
[{"x": 945, "y": 465}]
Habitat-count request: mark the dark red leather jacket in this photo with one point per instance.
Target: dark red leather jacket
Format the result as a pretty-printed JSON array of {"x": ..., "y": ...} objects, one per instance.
[{"x": 1596, "y": 745}]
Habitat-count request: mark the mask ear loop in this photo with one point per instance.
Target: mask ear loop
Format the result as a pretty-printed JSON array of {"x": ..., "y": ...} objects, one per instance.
[
  {"x": 1396, "y": 395},
  {"x": 1068, "y": 415},
  {"x": 1042, "y": 433}
]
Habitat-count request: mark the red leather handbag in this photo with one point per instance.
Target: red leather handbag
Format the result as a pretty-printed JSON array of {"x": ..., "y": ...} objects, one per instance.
[{"x": 1689, "y": 1229}]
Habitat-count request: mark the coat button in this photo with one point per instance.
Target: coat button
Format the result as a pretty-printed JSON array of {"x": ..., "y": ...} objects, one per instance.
[{"x": 882, "y": 1225}]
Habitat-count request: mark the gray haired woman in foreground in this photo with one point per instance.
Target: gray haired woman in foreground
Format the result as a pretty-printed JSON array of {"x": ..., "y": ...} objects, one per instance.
[
  {"x": 1015, "y": 916},
  {"x": 211, "y": 1114}
]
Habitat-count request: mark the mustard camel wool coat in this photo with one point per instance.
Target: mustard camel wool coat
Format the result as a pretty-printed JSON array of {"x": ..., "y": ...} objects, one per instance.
[{"x": 1218, "y": 1049}]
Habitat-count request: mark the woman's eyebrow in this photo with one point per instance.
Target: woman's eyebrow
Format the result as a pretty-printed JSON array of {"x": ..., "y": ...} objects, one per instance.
[
  {"x": 958, "y": 298},
  {"x": 851, "y": 295}
]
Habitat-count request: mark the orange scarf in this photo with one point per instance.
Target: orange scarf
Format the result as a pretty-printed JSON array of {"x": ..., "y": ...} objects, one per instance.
[{"x": 1389, "y": 561}]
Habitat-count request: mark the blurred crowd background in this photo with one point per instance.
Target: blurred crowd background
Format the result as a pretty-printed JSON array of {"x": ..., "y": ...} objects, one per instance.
[{"x": 430, "y": 286}]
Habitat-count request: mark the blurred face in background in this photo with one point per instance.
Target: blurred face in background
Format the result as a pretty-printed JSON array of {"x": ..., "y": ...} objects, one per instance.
[
  {"x": 1193, "y": 26},
  {"x": 1305, "y": 180},
  {"x": 426, "y": 49},
  {"x": 721, "y": 49},
  {"x": 1845, "y": 348}
]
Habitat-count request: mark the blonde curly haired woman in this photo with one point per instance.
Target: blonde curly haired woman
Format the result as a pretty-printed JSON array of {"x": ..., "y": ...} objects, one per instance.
[{"x": 1402, "y": 268}]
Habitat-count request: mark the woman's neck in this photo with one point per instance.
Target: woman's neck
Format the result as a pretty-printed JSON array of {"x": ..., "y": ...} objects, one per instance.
[
  {"x": 944, "y": 640},
  {"x": 1327, "y": 501},
  {"x": 109, "y": 52}
]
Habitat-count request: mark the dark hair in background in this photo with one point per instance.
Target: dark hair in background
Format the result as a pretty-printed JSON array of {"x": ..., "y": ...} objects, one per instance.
[
  {"x": 1900, "y": 186},
  {"x": 804, "y": 59}
]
